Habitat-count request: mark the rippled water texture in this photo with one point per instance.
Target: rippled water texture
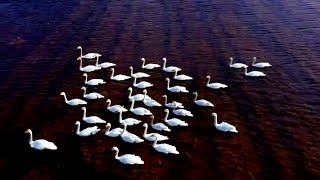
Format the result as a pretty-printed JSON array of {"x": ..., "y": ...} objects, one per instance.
[{"x": 277, "y": 117}]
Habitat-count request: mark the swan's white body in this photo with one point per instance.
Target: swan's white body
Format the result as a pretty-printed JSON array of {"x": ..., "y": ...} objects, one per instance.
[
  {"x": 173, "y": 121},
  {"x": 90, "y": 131},
  {"x": 159, "y": 126},
  {"x": 138, "y": 74},
  {"x": 261, "y": 64},
  {"x": 148, "y": 66},
  {"x": 181, "y": 77},
  {"x": 127, "y": 158},
  {"x": 164, "y": 147},
  {"x": 254, "y": 73},
  {"x": 181, "y": 112},
  {"x": 92, "y": 82},
  {"x": 92, "y": 95},
  {"x": 170, "y": 68},
  {"x": 40, "y": 144},
  {"x": 114, "y": 132},
  {"x": 171, "y": 105},
  {"x": 137, "y": 97},
  {"x": 142, "y": 84},
  {"x": 88, "y": 55},
  {"x": 119, "y": 77},
  {"x": 139, "y": 110},
  {"x": 129, "y": 137},
  {"x": 115, "y": 108},
  {"x": 128, "y": 121},
  {"x": 88, "y": 68},
  {"x": 150, "y": 102},
  {"x": 223, "y": 126},
  {"x": 91, "y": 119},
  {"x": 105, "y": 64},
  {"x": 152, "y": 136},
  {"x": 201, "y": 102},
  {"x": 175, "y": 89},
  {"x": 237, "y": 65},
  {"x": 215, "y": 85},
  {"x": 73, "y": 102}
]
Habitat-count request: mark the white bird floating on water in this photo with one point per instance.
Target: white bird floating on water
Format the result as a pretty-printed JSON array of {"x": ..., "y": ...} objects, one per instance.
[
  {"x": 139, "y": 110},
  {"x": 215, "y": 85},
  {"x": 88, "y": 68},
  {"x": 150, "y": 102},
  {"x": 114, "y": 132},
  {"x": 254, "y": 73},
  {"x": 152, "y": 136},
  {"x": 90, "y": 131},
  {"x": 88, "y": 55},
  {"x": 175, "y": 89},
  {"x": 115, "y": 108},
  {"x": 129, "y": 137},
  {"x": 142, "y": 84},
  {"x": 237, "y": 65},
  {"x": 181, "y": 77},
  {"x": 159, "y": 126},
  {"x": 91, "y": 119},
  {"x": 261, "y": 64},
  {"x": 173, "y": 121},
  {"x": 92, "y": 95},
  {"x": 201, "y": 102},
  {"x": 119, "y": 77},
  {"x": 223, "y": 126},
  {"x": 137, "y": 97},
  {"x": 40, "y": 144},
  {"x": 164, "y": 147},
  {"x": 138, "y": 74},
  {"x": 171, "y": 105},
  {"x": 181, "y": 112},
  {"x": 128, "y": 121},
  {"x": 148, "y": 66},
  {"x": 127, "y": 158},
  {"x": 73, "y": 102},
  {"x": 170, "y": 68},
  {"x": 105, "y": 64},
  {"x": 92, "y": 82}
]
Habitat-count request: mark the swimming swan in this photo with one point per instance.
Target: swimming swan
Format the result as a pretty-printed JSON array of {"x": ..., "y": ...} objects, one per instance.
[
  {"x": 261, "y": 64},
  {"x": 129, "y": 137},
  {"x": 127, "y": 158},
  {"x": 73, "y": 102},
  {"x": 148, "y": 66},
  {"x": 40, "y": 144},
  {"x": 115, "y": 108},
  {"x": 119, "y": 77},
  {"x": 173, "y": 121},
  {"x": 88, "y": 55},
  {"x": 159, "y": 126},
  {"x": 138, "y": 74},
  {"x": 215, "y": 85},
  {"x": 92, "y": 82},
  {"x": 150, "y": 102},
  {"x": 105, "y": 64},
  {"x": 201, "y": 102},
  {"x": 128, "y": 121},
  {"x": 91, "y": 119},
  {"x": 170, "y": 68},
  {"x": 88, "y": 68},
  {"x": 90, "y": 131},
  {"x": 92, "y": 95},
  {"x": 114, "y": 132},
  {"x": 236, "y": 65},
  {"x": 254, "y": 73},
  {"x": 181, "y": 77},
  {"x": 152, "y": 136},
  {"x": 223, "y": 126},
  {"x": 139, "y": 110},
  {"x": 164, "y": 147},
  {"x": 142, "y": 84},
  {"x": 171, "y": 105},
  {"x": 181, "y": 112},
  {"x": 137, "y": 97},
  {"x": 175, "y": 89}
]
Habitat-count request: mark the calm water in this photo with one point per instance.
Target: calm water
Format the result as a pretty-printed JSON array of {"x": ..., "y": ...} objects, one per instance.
[{"x": 277, "y": 116}]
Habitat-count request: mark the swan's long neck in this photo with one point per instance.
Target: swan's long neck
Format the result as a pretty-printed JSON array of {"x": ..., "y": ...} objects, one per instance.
[
  {"x": 143, "y": 62},
  {"x": 84, "y": 91},
  {"x": 215, "y": 120},
  {"x": 81, "y": 52},
  {"x": 175, "y": 73},
  {"x": 97, "y": 61},
  {"x": 254, "y": 61},
  {"x": 108, "y": 129},
  {"x": 116, "y": 155},
  {"x": 145, "y": 131},
  {"x": 124, "y": 128},
  {"x": 108, "y": 104},
  {"x": 168, "y": 84},
  {"x": 144, "y": 95},
  {"x": 86, "y": 79},
  {"x": 245, "y": 71},
  {"x": 231, "y": 59},
  {"x": 65, "y": 98},
  {"x": 84, "y": 113},
  {"x": 120, "y": 116},
  {"x": 130, "y": 93},
  {"x": 30, "y": 137},
  {"x": 132, "y": 103},
  {"x": 78, "y": 129},
  {"x": 195, "y": 96},
  {"x": 80, "y": 63},
  {"x": 135, "y": 80},
  {"x": 112, "y": 73},
  {"x": 164, "y": 63},
  {"x": 165, "y": 100},
  {"x": 152, "y": 119},
  {"x": 208, "y": 80},
  {"x": 166, "y": 116},
  {"x": 131, "y": 71},
  {"x": 155, "y": 141}
]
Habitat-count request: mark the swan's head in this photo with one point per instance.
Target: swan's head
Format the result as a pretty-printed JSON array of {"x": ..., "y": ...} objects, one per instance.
[
  {"x": 79, "y": 58},
  {"x": 108, "y": 125},
  {"x": 164, "y": 96},
  {"x": 62, "y": 93},
  {"x": 77, "y": 123},
  {"x": 112, "y": 69},
  {"x": 145, "y": 125},
  {"x": 254, "y": 58},
  {"x": 83, "y": 108},
  {"x": 85, "y": 74},
  {"x": 166, "y": 110},
  {"x": 164, "y": 59},
  {"x": 83, "y": 88},
  {"x": 230, "y": 58},
  {"x": 79, "y": 47},
  {"x": 144, "y": 91},
  {"x": 108, "y": 101},
  {"x": 143, "y": 59},
  {"x": 207, "y": 77},
  {"x": 214, "y": 114},
  {"x": 167, "y": 79},
  {"x": 130, "y": 88},
  {"x": 114, "y": 148},
  {"x": 28, "y": 131},
  {"x": 130, "y": 67},
  {"x": 195, "y": 93}
]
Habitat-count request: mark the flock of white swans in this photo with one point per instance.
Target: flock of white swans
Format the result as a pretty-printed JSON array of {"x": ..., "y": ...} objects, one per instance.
[{"x": 177, "y": 107}]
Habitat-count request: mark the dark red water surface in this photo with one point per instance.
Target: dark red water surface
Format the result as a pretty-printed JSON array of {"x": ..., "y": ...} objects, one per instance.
[{"x": 277, "y": 117}]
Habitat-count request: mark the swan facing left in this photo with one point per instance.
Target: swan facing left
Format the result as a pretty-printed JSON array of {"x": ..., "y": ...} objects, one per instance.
[
  {"x": 127, "y": 158},
  {"x": 40, "y": 144}
]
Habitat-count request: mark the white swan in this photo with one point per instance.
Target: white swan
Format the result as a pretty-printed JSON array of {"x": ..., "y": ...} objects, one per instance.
[
  {"x": 215, "y": 85},
  {"x": 91, "y": 119},
  {"x": 127, "y": 158},
  {"x": 201, "y": 102},
  {"x": 88, "y": 55},
  {"x": 152, "y": 136},
  {"x": 181, "y": 77},
  {"x": 173, "y": 121},
  {"x": 175, "y": 89},
  {"x": 142, "y": 84},
  {"x": 164, "y": 147},
  {"x": 159, "y": 126},
  {"x": 115, "y": 108},
  {"x": 181, "y": 112},
  {"x": 90, "y": 131},
  {"x": 88, "y": 68},
  {"x": 129, "y": 137},
  {"x": 170, "y": 68},
  {"x": 119, "y": 77},
  {"x": 236, "y": 65},
  {"x": 260, "y": 65},
  {"x": 137, "y": 97},
  {"x": 254, "y": 73},
  {"x": 40, "y": 144},
  {"x": 225, "y": 127},
  {"x": 148, "y": 66},
  {"x": 92, "y": 82},
  {"x": 128, "y": 121},
  {"x": 114, "y": 132},
  {"x": 171, "y": 105},
  {"x": 139, "y": 110},
  {"x": 73, "y": 102},
  {"x": 105, "y": 64},
  {"x": 92, "y": 95},
  {"x": 138, "y": 74},
  {"x": 150, "y": 102}
]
